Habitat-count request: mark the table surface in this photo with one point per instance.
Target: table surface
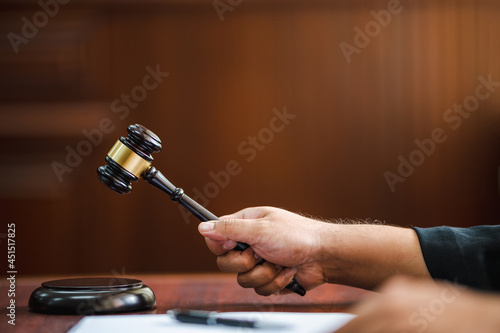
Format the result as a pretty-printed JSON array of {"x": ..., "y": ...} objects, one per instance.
[{"x": 214, "y": 292}]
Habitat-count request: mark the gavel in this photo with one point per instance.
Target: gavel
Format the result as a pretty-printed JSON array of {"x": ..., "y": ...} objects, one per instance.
[{"x": 130, "y": 159}]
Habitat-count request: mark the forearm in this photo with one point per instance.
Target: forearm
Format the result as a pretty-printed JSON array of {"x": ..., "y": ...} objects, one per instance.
[{"x": 365, "y": 255}]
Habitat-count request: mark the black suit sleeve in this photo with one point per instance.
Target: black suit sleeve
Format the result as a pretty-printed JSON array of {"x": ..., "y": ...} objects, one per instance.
[{"x": 469, "y": 256}]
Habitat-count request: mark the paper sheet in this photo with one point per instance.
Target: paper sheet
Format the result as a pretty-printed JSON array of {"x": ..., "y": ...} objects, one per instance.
[{"x": 273, "y": 322}]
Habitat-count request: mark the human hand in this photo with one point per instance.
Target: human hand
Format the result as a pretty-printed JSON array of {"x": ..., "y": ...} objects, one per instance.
[
  {"x": 410, "y": 306},
  {"x": 282, "y": 238}
]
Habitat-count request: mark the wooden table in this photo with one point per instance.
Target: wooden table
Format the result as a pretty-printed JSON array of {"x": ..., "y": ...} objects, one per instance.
[{"x": 218, "y": 292}]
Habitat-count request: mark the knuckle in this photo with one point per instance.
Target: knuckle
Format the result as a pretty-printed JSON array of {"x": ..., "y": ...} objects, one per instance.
[
  {"x": 263, "y": 292},
  {"x": 222, "y": 264},
  {"x": 243, "y": 281},
  {"x": 246, "y": 260},
  {"x": 247, "y": 265},
  {"x": 269, "y": 274},
  {"x": 228, "y": 226},
  {"x": 269, "y": 289}
]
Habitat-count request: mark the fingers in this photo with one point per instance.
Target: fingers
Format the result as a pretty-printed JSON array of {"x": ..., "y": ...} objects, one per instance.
[
  {"x": 247, "y": 226},
  {"x": 251, "y": 226},
  {"x": 279, "y": 283},
  {"x": 260, "y": 275},
  {"x": 243, "y": 230},
  {"x": 237, "y": 262},
  {"x": 266, "y": 279},
  {"x": 220, "y": 247}
]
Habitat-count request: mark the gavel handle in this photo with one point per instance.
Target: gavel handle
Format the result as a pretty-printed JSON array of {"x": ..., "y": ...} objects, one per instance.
[{"x": 157, "y": 179}]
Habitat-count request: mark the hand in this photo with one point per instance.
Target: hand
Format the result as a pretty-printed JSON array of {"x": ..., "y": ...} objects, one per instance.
[
  {"x": 282, "y": 238},
  {"x": 411, "y": 306}
]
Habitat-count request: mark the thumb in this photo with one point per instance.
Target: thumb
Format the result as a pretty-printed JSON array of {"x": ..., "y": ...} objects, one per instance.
[{"x": 240, "y": 230}]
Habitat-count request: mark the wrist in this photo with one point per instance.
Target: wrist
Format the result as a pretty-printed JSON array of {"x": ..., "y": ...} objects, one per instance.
[
  {"x": 365, "y": 255},
  {"x": 328, "y": 252}
]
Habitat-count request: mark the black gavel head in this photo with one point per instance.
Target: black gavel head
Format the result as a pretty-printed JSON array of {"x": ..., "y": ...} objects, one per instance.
[{"x": 129, "y": 158}]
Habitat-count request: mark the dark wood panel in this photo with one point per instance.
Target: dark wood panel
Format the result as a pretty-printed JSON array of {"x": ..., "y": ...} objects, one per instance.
[
  {"x": 59, "y": 58},
  {"x": 353, "y": 121}
]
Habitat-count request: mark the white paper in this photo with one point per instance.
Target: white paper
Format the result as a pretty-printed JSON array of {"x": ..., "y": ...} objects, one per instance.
[{"x": 272, "y": 322}]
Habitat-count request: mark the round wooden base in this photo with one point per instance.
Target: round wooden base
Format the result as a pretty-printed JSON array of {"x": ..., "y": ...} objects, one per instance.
[{"x": 90, "y": 296}]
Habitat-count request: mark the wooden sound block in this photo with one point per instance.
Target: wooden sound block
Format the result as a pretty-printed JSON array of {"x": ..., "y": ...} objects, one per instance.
[{"x": 89, "y": 296}]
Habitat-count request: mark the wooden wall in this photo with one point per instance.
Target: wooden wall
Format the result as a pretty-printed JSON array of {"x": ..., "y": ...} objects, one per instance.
[{"x": 352, "y": 120}]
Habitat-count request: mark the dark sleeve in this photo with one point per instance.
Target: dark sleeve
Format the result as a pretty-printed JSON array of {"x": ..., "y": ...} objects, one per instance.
[{"x": 469, "y": 256}]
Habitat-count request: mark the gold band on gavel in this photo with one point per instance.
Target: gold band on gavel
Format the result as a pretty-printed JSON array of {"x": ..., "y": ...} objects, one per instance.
[{"x": 128, "y": 159}]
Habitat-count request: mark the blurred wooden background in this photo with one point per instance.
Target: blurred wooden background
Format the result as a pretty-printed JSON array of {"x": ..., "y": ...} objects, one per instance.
[{"x": 353, "y": 120}]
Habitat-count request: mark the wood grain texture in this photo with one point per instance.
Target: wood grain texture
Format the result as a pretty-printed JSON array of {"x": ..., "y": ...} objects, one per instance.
[{"x": 353, "y": 121}]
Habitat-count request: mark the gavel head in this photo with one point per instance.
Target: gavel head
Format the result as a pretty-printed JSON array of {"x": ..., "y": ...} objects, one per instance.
[{"x": 129, "y": 158}]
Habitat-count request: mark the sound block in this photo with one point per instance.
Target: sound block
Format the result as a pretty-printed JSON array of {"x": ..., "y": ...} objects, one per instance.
[{"x": 89, "y": 296}]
